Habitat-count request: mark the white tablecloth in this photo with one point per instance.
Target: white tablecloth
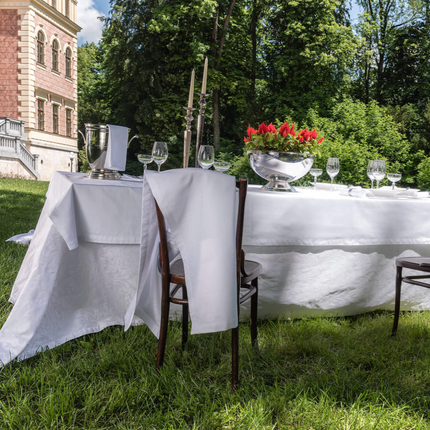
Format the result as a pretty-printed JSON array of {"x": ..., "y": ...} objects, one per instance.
[
  {"x": 326, "y": 254},
  {"x": 322, "y": 254}
]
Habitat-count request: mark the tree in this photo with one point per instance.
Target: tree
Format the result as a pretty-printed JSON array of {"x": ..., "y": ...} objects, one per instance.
[
  {"x": 308, "y": 53},
  {"x": 93, "y": 107},
  {"x": 378, "y": 26}
]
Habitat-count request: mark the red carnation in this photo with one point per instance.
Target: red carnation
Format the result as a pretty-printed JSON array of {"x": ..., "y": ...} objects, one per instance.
[
  {"x": 320, "y": 141},
  {"x": 271, "y": 129},
  {"x": 251, "y": 131},
  {"x": 262, "y": 129},
  {"x": 284, "y": 129}
]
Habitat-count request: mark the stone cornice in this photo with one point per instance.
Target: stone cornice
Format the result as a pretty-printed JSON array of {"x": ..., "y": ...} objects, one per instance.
[
  {"x": 59, "y": 17},
  {"x": 50, "y": 12}
]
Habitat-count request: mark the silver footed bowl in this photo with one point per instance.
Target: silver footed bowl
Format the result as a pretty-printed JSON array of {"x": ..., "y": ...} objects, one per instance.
[{"x": 280, "y": 168}]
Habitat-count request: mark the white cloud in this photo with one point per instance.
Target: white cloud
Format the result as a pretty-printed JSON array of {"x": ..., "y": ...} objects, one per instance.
[{"x": 87, "y": 19}]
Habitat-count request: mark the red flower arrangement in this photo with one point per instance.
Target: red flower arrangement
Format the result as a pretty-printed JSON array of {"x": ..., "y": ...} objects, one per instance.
[{"x": 286, "y": 139}]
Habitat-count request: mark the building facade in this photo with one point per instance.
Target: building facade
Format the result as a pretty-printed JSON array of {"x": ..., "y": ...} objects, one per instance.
[{"x": 38, "y": 81}]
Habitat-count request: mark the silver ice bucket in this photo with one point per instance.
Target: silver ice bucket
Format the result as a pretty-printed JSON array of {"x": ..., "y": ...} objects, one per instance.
[
  {"x": 280, "y": 168},
  {"x": 96, "y": 140}
]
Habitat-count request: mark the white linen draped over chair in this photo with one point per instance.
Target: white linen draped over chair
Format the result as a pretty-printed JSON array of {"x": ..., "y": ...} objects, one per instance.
[{"x": 199, "y": 207}]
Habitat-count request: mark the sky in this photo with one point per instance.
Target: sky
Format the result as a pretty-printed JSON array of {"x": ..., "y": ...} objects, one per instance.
[{"x": 89, "y": 10}]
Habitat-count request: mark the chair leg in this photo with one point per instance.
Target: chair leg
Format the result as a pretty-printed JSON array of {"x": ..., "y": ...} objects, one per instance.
[
  {"x": 254, "y": 309},
  {"x": 184, "y": 318},
  {"x": 397, "y": 300},
  {"x": 165, "y": 306},
  {"x": 235, "y": 357}
]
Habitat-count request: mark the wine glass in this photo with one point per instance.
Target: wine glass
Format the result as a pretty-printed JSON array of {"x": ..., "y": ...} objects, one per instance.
[
  {"x": 221, "y": 166},
  {"x": 159, "y": 153},
  {"x": 394, "y": 177},
  {"x": 370, "y": 167},
  {"x": 145, "y": 159},
  {"x": 332, "y": 168},
  {"x": 379, "y": 171},
  {"x": 206, "y": 156},
  {"x": 315, "y": 173}
]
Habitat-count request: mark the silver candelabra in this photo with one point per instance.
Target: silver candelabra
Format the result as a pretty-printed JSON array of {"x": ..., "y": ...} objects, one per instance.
[
  {"x": 200, "y": 124},
  {"x": 187, "y": 135}
]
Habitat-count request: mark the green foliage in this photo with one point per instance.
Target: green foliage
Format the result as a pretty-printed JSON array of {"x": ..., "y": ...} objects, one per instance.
[
  {"x": 356, "y": 133},
  {"x": 304, "y": 58},
  {"x": 424, "y": 174},
  {"x": 84, "y": 165},
  {"x": 308, "y": 53},
  {"x": 93, "y": 106},
  {"x": 240, "y": 167}
]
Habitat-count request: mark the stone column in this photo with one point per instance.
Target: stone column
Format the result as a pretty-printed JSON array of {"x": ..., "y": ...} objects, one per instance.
[{"x": 36, "y": 162}]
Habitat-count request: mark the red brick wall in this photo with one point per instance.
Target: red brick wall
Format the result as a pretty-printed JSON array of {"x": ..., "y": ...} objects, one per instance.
[
  {"x": 51, "y": 81},
  {"x": 9, "y": 63}
]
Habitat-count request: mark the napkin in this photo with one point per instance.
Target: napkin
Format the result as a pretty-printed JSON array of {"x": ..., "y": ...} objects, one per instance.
[
  {"x": 22, "y": 239},
  {"x": 329, "y": 187},
  {"x": 117, "y": 148},
  {"x": 353, "y": 192},
  {"x": 397, "y": 192}
]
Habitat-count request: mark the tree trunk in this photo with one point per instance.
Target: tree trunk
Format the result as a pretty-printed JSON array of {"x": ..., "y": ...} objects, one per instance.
[
  {"x": 215, "y": 113},
  {"x": 366, "y": 80},
  {"x": 217, "y": 55},
  {"x": 254, "y": 20}
]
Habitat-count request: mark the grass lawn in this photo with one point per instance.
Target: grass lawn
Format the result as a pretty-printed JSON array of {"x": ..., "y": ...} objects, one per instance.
[{"x": 328, "y": 373}]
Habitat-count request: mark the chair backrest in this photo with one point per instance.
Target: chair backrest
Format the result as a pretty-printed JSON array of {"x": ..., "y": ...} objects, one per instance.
[{"x": 241, "y": 185}]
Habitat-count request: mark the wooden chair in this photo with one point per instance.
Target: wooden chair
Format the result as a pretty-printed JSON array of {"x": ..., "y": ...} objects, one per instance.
[
  {"x": 421, "y": 264},
  {"x": 247, "y": 279}
]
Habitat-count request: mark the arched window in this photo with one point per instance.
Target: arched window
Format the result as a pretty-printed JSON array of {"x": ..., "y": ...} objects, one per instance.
[
  {"x": 68, "y": 62},
  {"x": 40, "y": 48},
  {"x": 55, "y": 55}
]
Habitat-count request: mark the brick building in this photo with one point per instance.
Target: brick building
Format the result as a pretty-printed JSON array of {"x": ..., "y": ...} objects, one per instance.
[{"x": 38, "y": 85}]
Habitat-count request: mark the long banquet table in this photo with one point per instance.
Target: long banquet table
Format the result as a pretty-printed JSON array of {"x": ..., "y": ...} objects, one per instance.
[{"x": 322, "y": 253}]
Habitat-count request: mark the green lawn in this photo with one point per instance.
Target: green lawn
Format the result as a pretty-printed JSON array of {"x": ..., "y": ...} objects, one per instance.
[{"x": 333, "y": 373}]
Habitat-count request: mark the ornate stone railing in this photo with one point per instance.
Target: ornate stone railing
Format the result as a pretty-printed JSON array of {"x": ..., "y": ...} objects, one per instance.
[
  {"x": 11, "y": 134},
  {"x": 11, "y": 127}
]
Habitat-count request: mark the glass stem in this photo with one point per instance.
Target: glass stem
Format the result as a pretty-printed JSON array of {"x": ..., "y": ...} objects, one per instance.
[
  {"x": 332, "y": 179},
  {"x": 159, "y": 167},
  {"x": 377, "y": 184},
  {"x": 315, "y": 181},
  {"x": 371, "y": 187},
  {"x": 392, "y": 186},
  {"x": 145, "y": 167}
]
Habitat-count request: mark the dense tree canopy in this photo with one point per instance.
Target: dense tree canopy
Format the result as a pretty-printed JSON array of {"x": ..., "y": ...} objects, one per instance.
[{"x": 269, "y": 60}]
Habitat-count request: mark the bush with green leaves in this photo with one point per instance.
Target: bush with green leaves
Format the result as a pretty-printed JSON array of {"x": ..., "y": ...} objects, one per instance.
[
  {"x": 357, "y": 133},
  {"x": 424, "y": 174}
]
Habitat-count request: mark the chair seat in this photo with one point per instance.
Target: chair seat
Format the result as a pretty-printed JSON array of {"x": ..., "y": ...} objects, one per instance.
[
  {"x": 177, "y": 272},
  {"x": 252, "y": 270},
  {"x": 417, "y": 263}
]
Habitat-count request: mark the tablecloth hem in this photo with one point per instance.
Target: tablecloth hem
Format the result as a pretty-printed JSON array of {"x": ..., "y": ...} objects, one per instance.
[
  {"x": 23, "y": 355},
  {"x": 341, "y": 242}
]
